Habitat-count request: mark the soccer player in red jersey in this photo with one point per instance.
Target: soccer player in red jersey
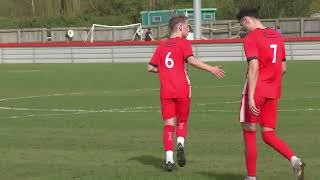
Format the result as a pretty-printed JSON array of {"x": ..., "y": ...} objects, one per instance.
[
  {"x": 169, "y": 61},
  {"x": 265, "y": 52}
]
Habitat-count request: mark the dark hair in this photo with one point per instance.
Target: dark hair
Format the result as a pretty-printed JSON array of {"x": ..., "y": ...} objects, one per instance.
[
  {"x": 251, "y": 12},
  {"x": 176, "y": 20}
]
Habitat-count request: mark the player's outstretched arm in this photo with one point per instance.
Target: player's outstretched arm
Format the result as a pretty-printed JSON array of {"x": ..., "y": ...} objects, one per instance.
[
  {"x": 152, "y": 69},
  {"x": 215, "y": 70}
]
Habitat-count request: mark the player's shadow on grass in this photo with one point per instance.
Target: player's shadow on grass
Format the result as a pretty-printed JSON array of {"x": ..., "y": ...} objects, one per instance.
[
  {"x": 149, "y": 160},
  {"x": 225, "y": 176}
]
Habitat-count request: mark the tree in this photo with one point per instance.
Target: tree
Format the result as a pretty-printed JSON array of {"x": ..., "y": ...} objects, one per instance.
[{"x": 83, "y": 12}]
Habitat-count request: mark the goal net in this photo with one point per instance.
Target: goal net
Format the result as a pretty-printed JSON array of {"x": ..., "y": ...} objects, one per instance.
[{"x": 131, "y": 31}]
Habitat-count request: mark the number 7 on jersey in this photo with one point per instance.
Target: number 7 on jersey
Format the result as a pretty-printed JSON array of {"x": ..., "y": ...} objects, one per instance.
[{"x": 274, "y": 47}]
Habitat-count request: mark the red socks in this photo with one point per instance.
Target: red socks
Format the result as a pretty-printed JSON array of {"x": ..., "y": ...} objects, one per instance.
[
  {"x": 270, "y": 138},
  {"x": 168, "y": 137},
  {"x": 181, "y": 129},
  {"x": 251, "y": 151},
  {"x": 168, "y": 134}
]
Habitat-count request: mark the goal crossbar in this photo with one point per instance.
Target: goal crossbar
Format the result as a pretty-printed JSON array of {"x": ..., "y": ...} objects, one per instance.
[{"x": 139, "y": 30}]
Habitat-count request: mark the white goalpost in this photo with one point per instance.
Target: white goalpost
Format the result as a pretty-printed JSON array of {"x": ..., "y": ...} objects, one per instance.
[{"x": 138, "y": 32}]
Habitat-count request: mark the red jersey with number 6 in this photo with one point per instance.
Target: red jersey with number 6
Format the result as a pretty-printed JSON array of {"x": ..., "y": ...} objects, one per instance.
[
  {"x": 170, "y": 58},
  {"x": 266, "y": 45}
]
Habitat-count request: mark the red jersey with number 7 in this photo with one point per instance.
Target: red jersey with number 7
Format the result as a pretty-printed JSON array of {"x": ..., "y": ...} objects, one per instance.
[
  {"x": 266, "y": 45},
  {"x": 170, "y": 58}
]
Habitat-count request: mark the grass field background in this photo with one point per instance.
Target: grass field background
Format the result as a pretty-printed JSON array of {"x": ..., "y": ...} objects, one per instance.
[{"x": 102, "y": 122}]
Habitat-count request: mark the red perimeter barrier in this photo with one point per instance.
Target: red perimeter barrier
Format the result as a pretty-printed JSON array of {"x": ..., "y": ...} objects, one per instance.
[{"x": 126, "y": 43}]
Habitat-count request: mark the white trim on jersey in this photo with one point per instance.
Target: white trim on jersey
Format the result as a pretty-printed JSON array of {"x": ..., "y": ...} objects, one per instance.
[
  {"x": 243, "y": 102},
  {"x": 242, "y": 109},
  {"x": 187, "y": 77},
  {"x": 245, "y": 86}
]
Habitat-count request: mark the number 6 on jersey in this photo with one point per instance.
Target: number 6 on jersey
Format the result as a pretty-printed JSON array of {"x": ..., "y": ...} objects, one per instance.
[{"x": 169, "y": 62}]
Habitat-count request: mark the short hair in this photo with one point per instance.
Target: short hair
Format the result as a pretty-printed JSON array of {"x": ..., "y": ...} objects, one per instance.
[
  {"x": 251, "y": 12},
  {"x": 176, "y": 20}
]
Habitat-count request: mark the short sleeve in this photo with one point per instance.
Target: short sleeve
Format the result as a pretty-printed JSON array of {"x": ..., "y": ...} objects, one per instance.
[
  {"x": 187, "y": 49},
  {"x": 283, "y": 55},
  {"x": 250, "y": 48},
  {"x": 155, "y": 58}
]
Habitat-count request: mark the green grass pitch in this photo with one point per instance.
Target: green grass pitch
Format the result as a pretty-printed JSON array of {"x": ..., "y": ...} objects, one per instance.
[{"x": 102, "y": 122}]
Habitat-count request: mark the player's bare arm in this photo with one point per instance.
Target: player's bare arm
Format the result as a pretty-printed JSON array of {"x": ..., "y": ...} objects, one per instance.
[
  {"x": 215, "y": 70},
  {"x": 252, "y": 81},
  {"x": 284, "y": 67},
  {"x": 152, "y": 69}
]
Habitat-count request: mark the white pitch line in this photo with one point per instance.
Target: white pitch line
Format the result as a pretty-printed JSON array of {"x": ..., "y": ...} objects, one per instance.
[
  {"x": 316, "y": 82},
  {"x": 57, "y": 94},
  {"x": 23, "y": 71},
  {"x": 40, "y": 96},
  {"x": 216, "y": 110},
  {"x": 36, "y": 115},
  {"x": 296, "y": 110},
  {"x": 280, "y": 110},
  {"x": 223, "y": 86},
  {"x": 125, "y": 110},
  {"x": 60, "y": 110},
  {"x": 74, "y": 113},
  {"x": 295, "y": 98},
  {"x": 52, "y": 110},
  {"x": 238, "y": 101},
  {"x": 137, "y": 90},
  {"x": 218, "y": 86},
  {"x": 141, "y": 108},
  {"x": 214, "y": 103},
  {"x": 132, "y": 109}
]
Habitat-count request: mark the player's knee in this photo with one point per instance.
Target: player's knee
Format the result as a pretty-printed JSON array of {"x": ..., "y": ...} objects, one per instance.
[
  {"x": 169, "y": 122},
  {"x": 249, "y": 126}
]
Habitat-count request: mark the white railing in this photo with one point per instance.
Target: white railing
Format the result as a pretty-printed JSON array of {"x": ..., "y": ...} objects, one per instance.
[{"x": 207, "y": 51}]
